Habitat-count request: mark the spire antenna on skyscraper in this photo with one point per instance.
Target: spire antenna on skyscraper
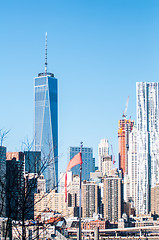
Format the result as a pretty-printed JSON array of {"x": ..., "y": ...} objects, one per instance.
[{"x": 46, "y": 53}]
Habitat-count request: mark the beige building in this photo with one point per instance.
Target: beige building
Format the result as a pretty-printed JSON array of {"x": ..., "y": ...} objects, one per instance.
[
  {"x": 112, "y": 199},
  {"x": 155, "y": 199},
  {"x": 95, "y": 176},
  {"x": 61, "y": 184},
  {"x": 90, "y": 198},
  {"x": 107, "y": 165},
  {"x": 73, "y": 190},
  {"x": 52, "y": 201},
  {"x": 103, "y": 151}
]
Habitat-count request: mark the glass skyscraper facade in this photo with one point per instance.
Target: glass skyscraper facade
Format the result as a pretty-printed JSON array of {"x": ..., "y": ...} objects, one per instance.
[
  {"x": 87, "y": 159},
  {"x": 32, "y": 161},
  {"x": 46, "y": 126},
  {"x": 147, "y": 143},
  {"x": 2, "y": 181}
]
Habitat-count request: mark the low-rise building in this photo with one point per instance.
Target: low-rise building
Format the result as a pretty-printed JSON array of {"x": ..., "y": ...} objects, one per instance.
[{"x": 90, "y": 225}]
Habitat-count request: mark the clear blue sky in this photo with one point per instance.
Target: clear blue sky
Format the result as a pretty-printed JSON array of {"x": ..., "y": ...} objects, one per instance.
[{"x": 98, "y": 50}]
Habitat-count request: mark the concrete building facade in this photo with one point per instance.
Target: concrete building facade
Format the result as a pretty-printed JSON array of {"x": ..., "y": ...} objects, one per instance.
[
  {"x": 112, "y": 198},
  {"x": 132, "y": 167},
  {"x": 147, "y": 98},
  {"x": 103, "y": 151},
  {"x": 90, "y": 199},
  {"x": 107, "y": 165}
]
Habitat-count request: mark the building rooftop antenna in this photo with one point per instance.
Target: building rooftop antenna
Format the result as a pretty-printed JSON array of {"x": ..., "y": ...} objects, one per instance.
[
  {"x": 46, "y": 73},
  {"x": 46, "y": 53}
]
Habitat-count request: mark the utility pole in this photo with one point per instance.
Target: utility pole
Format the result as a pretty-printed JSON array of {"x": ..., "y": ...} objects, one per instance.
[{"x": 79, "y": 232}]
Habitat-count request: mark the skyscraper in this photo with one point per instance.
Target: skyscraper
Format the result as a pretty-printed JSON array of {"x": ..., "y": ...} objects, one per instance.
[
  {"x": 103, "y": 151},
  {"x": 46, "y": 123},
  {"x": 112, "y": 198},
  {"x": 90, "y": 198},
  {"x": 87, "y": 159},
  {"x": 147, "y": 143},
  {"x": 32, "y": 161},
  {"x": 124, "y": 128},
  {"x": 132, "y": 166}
]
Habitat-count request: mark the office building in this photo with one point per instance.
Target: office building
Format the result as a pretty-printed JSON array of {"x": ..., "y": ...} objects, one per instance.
[
  {"x": 112, "y": 199},
  {"x": 124, "y": 128},
  {"x": 2, "y": 181},
  {"x": 87, "y": 159},
  {"x": 34, "y": 183},
  {"x": 46, "y": 124},
  {"x": 103, "y": 151},
  {"x": 90, "y": 199},
  {"x": 147, "y": 143},
  {"x": 15, "y": 184},
  {"x": 32, "y": 162}
]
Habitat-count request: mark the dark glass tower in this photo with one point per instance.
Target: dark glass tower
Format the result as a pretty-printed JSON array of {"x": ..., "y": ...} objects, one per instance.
[
  {"x": 46, "y": 124},
  {"x": 2, "y": 181}
]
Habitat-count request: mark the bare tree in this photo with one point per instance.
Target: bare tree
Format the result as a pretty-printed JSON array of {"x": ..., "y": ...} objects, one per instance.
[
  {"x": 3, "y": 135},
  {"x": 21, "y": 186}
]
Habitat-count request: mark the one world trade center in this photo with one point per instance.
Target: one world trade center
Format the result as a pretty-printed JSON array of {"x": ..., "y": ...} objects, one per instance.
[{"x": 46, "y": 124}]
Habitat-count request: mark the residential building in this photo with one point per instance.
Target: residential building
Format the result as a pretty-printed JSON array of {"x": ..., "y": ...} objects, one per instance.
[
  {"x": 103, "y": 151},
  {"x": 132, "y": 168},
  {"x": 46, "y": 124},
  {"x": 155, "y": 199},
  {"x": 2, "y": 181},
  {"x": 90, "y": 199},
  {"x": 3, "y": 226},
  {"x": 87, "y": 159},
  {"x": 62, "y": 180},
  {"x": 41, "y": 184},
  {"x": 90, "y": 225},
  {"x": 147, "y": 143},
  {"x": 73, "y": 190},
  {"x": 52, "y": 201},
  {"x": 96, "y": 176},
  {"x": 107, "y": 165},
  {"x": 112, "y": 199},
  {"x": 124, "y": 128}
]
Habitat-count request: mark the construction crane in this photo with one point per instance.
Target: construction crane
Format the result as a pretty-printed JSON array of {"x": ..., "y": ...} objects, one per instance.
[
  {"x": 113, "y": 155},
  {"x": 126, "y": 108}
]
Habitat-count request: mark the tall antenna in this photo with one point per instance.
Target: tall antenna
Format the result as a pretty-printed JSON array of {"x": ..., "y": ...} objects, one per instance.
[{"x": 46, "y": 53}]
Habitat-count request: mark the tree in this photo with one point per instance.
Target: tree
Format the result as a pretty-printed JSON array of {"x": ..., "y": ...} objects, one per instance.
[
  {"x": 3, "y": 135},
  {"x": 22, "y": 185}
]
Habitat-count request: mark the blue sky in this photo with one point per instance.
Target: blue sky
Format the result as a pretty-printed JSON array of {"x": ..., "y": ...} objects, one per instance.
[{"x": 98, "y": 50}]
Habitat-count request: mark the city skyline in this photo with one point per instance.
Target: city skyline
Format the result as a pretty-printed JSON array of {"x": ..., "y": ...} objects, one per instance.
[{"x": 98, "y": 51}]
